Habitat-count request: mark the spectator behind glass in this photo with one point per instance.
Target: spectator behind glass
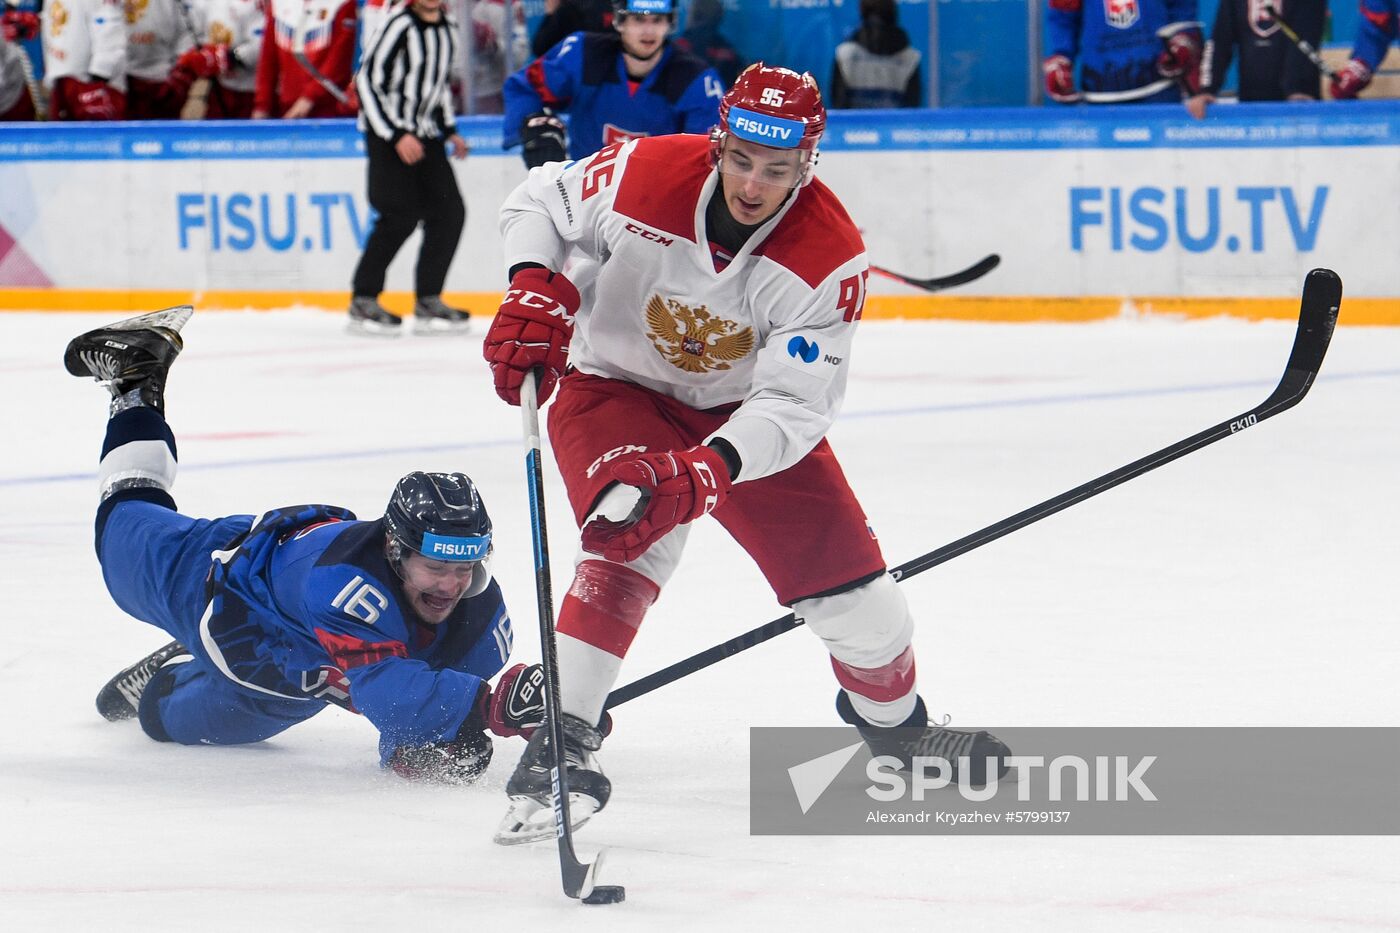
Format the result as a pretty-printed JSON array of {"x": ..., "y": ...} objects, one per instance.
[
  {"x": 1379, "y": 26},
  {"x": 494, "y": 32},
  {"x": 702, "y": 37},
  {"x": 562, "y": 17},
  {"x": 1271, "y": 67},
  {"x": 876, "y": 67}
]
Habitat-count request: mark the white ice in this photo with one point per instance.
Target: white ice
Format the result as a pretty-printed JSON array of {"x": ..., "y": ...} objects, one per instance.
[{"x": 1251, "y": 583}]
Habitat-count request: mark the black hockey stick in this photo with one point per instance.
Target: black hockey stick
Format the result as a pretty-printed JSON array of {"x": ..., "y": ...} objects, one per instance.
[
  {"x": 578, "y": 877},
  {"x": 1302, "y": 44},
  {"x": 937, "y": 284},
  {"x": 1322, "y": 299}
]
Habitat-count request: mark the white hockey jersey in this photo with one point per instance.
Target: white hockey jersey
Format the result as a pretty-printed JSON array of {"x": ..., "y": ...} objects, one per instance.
[
  {"x": 771, "y": 331},
  {"x": 85, "y": 39},
  {"x": 238, "y": 24},
  {"x": 157, "y": 33}
]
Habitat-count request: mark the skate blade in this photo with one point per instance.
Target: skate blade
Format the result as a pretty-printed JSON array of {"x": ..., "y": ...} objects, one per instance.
[
  {"x": 532, "y": 820},
  {"x": 373, "y": 329},
  {"x": 436, "y": 327},
  {"x": 172, "y": 319}
]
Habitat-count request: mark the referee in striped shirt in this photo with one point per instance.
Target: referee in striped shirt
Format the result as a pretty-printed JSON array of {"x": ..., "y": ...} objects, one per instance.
[{"x": 406, "y": 115}]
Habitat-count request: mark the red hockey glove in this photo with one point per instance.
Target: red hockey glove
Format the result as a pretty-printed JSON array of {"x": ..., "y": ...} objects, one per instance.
[
  {"x": 205, "y": 61},
  {"x": 1181, "y": 57},
  {"x": 1059, "y": 79},
  {"x": 532, "y": 329},
  {"x": 516, "y": 706},
  {"x": 97, "y": 100},
  {"x": 1351, "y": 79},
  {"x": 461, "y": 761},
  {"x": 679, "y": 486},
  {"x": 19, "y": 25}
]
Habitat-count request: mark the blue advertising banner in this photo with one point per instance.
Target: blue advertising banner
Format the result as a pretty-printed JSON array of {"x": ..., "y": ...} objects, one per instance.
[{"x": 1362, "y": 123}]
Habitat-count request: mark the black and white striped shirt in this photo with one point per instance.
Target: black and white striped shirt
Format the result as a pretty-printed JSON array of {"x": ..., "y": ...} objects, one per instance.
[{"x": 403, "y": 78}]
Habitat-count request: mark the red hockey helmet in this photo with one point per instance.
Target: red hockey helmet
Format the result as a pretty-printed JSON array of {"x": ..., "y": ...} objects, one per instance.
[{"x": 774, "y": 107}]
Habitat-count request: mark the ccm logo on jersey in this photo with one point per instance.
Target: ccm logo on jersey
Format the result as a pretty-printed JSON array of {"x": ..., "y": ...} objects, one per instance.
[
  {"x": 652, "y": 235},
  {"x": 803, "y": 353},
  {"x": 528, "y": 299}
]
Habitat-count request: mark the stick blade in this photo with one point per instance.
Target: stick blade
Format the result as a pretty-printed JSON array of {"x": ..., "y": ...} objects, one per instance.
[{"x": 1317, "y": 318}]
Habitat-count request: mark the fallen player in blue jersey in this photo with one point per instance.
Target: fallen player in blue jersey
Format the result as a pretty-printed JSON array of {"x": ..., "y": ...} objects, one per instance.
[{"x": 278, "y": 615}]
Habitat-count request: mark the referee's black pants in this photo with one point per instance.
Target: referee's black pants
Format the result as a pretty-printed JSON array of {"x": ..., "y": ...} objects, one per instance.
[{"x": 405, "y": 196}]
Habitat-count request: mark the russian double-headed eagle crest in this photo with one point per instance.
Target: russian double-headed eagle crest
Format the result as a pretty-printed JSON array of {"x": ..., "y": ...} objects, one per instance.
[{"x": 693, "y": 339}]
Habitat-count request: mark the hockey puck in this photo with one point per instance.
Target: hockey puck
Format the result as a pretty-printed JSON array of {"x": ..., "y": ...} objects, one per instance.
[{"x": 606, "y": 894}]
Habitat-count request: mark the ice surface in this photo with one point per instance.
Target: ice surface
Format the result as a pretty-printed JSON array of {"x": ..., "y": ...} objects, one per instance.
[{"x": 1252, "y": 583}]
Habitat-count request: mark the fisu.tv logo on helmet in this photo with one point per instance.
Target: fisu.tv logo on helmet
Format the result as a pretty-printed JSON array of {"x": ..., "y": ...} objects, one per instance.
[
  {"x": 443, "y": 547},
  {"x": 765, "y": 128}
]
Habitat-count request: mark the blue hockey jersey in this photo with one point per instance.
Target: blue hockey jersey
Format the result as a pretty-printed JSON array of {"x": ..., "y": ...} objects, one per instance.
[
  {"x": 585, "y": 76},
  {"x": 1115, "y": 43},
  {"x": 1379, "y": 26},
  {"x": 306, "y": 606}
]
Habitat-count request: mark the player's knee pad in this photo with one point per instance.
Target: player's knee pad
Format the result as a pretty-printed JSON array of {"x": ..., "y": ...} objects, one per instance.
[
  {"x": 605, "y": 605},
  {"x": 865, "y": 627},
  {"x": 661, "y": 559}
]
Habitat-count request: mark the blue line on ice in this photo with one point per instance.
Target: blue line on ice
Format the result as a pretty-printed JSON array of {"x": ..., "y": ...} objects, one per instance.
[{"x": 1026, "y": 402}]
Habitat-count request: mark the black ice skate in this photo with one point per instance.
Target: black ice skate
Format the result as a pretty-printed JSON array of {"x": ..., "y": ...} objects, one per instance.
[
  {"x": 918, "y": 738},
  {"x": 134, "y": 354},
  {"x": 121, "y": 697},
  {"x": 369, "y": 317},
  {"x": 531, "y": 814},
  {"x": 431, "y": 317}
]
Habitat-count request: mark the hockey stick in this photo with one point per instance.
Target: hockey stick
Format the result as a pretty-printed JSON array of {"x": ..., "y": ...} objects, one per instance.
[
  {"x": 26, "y": 67},
  {"x": 578, "y": 877},
  {"x": 299, "y": 53},
  {"x": 196, "y": 105},
  {"x": 1322, "y": 298},
  {"x": 1303, "y": 45},
  {"x": 939, "y": 283}
]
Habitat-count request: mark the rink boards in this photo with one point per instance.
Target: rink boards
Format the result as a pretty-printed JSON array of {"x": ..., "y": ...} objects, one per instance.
[{"x": 1095, "y": 213}]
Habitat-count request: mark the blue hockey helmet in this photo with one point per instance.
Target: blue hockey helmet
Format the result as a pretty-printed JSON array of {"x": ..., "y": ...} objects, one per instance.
[{"x": 440, "y": 516}]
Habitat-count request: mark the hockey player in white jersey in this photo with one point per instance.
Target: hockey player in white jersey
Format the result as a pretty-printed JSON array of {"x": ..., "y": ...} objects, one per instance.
[
  {"x": 230, "y": 41},
  {"x": 85, "y": 59},
  {"x": 698, "y": 373},
  {"x": 158, "y": 33}
]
